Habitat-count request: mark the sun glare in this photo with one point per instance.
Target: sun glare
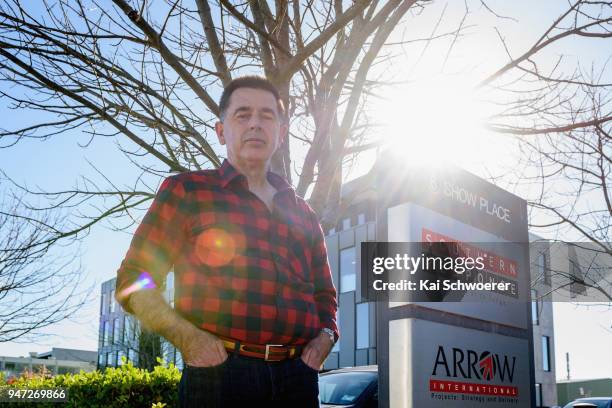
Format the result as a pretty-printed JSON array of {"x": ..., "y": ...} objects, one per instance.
[{"x": 433, "y": 122}]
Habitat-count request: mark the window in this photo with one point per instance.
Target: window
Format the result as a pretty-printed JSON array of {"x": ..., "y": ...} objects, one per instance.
[
  {"x": 101, "y": 335},
  {"x": 116, "y": 331},
  {"x": 331, "y": 231},
  {"x": 132, "y": 356},
  {"x": 538, "y": 392},
  {"x": 575, "y": 286},
  {"x": 348, "y": 274},
  {"x": 103, "y": 303},
  {"x": 170, "y": 281},
  {"x": 120, "y": 356},
  {"x": 106, "y": 340},
  {"x": 361, "y": 219},
  {"x": 122, "y": 337},
  {"x": 346, "y": 224},
  {"x": 109, "y": 360},
  {"x": 534, "y": 308},
  {"x": 134, "y": 328},
  {"x": 167, "y": 352},
  {"x": 126, "y": 335},
  {"x": 363, "y": 325},
  {"x": 112, "y": 301},
  {"x": 179, "y": 360},
  {"x": 543, "y": 271},
  {"x": 336, "y": 347},
  {"x": 344, "y": 388},
  {"x": 545, "y": 353},
  {"x": 100, "y": 360}
]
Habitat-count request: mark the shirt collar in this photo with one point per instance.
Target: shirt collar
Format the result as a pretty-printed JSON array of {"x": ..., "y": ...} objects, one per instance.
[{"x": 228, "y": 173}]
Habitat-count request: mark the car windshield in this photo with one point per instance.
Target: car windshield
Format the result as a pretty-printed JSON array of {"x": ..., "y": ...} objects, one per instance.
[
  {"x": 602, "y": 403},
  {"x": 344, "y": 388}
]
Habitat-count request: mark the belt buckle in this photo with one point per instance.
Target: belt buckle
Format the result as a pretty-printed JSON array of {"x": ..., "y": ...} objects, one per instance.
[{"x": 268, "y": 350}]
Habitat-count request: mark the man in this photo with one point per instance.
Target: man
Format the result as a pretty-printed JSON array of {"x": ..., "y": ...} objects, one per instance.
[{"x": 255, "y": 306}]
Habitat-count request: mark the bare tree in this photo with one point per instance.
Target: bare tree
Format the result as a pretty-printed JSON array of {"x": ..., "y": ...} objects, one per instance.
[
  {"x": 148, "y": 75},
  {"x": 562, "y": 116},
  {"x": 38, "y": 287}
]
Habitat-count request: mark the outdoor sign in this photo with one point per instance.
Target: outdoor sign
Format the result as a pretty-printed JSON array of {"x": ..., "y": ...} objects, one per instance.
[
  {"x": 471, "y": 368},
  {"x": 474, "y": 348},
  {"x": 413, "y": 223}
]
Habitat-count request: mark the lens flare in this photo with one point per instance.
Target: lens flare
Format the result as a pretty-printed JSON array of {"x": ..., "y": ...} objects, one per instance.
[
  {"x": 144, "y": 281},
  {"x": 217, "y": 247}
]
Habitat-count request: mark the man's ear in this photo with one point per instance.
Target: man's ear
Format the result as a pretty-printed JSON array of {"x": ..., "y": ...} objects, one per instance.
[
  {"x": 219, "y": 132},
  {"x": 284, "y": 130}
]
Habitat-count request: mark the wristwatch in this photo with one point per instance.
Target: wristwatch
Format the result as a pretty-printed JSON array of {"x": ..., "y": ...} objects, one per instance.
[{"x": 330, "y": 333}]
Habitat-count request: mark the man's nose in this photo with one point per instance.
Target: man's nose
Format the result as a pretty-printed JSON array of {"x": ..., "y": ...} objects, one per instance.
[{"x": 255, "y": 122}]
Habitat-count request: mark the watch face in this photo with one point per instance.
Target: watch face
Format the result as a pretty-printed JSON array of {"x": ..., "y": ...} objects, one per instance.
[{"x": 330, "y": 334}]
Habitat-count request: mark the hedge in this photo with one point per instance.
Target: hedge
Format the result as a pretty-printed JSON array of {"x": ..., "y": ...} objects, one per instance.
[{"x": 125, "y": 386}]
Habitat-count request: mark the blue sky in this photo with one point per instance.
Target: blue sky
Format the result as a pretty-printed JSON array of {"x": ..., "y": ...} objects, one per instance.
[{"x": 57, "y": 163}]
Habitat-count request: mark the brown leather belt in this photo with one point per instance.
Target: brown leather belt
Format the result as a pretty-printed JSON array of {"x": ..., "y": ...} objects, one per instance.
[{"x": 267, "y": 352}]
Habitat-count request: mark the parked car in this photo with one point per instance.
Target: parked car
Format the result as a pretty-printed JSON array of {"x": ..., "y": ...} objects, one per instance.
[
  {"x": 355, "y": 387},
  {"x": 594, "y": 402}
]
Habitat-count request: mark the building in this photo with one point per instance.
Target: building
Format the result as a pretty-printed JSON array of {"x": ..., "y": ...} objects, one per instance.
[
  {"x": 543, "y": 324},
  {"x": 119, "y": 333},
  {"x": 56, "y": 361},
  {"x": 569, "y": 390}
]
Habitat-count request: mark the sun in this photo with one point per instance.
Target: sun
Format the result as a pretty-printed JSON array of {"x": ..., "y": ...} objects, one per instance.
[{"x": 437, "y": 121}]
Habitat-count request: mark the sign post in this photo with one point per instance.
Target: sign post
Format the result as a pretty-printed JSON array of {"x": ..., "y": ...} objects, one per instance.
[{"x": 473, "y": 351}]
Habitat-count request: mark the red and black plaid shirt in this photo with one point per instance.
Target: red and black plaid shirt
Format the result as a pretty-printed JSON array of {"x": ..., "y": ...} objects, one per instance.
[{"x": 241, "y": 271}]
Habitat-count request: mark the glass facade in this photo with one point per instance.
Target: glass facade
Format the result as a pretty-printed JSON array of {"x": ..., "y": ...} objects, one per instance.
[
  {"x": 363, "y": 325},
  {"x": 348, "y": 273}
]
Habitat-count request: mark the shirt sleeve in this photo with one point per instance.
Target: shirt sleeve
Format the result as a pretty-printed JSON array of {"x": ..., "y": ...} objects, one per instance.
[
  {"x": 155, "y": 245},
  {"x": 324, "y": 290}
]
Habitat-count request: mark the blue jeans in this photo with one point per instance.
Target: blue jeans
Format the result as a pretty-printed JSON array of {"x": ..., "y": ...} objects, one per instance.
[{"x": 250, "y": 382}]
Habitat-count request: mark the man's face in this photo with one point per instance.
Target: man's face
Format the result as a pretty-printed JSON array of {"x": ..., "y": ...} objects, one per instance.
[{"x": 252, "y": 128}]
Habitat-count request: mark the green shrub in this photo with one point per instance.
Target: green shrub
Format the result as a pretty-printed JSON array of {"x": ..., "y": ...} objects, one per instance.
[{"x": 125, "y": 386}]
